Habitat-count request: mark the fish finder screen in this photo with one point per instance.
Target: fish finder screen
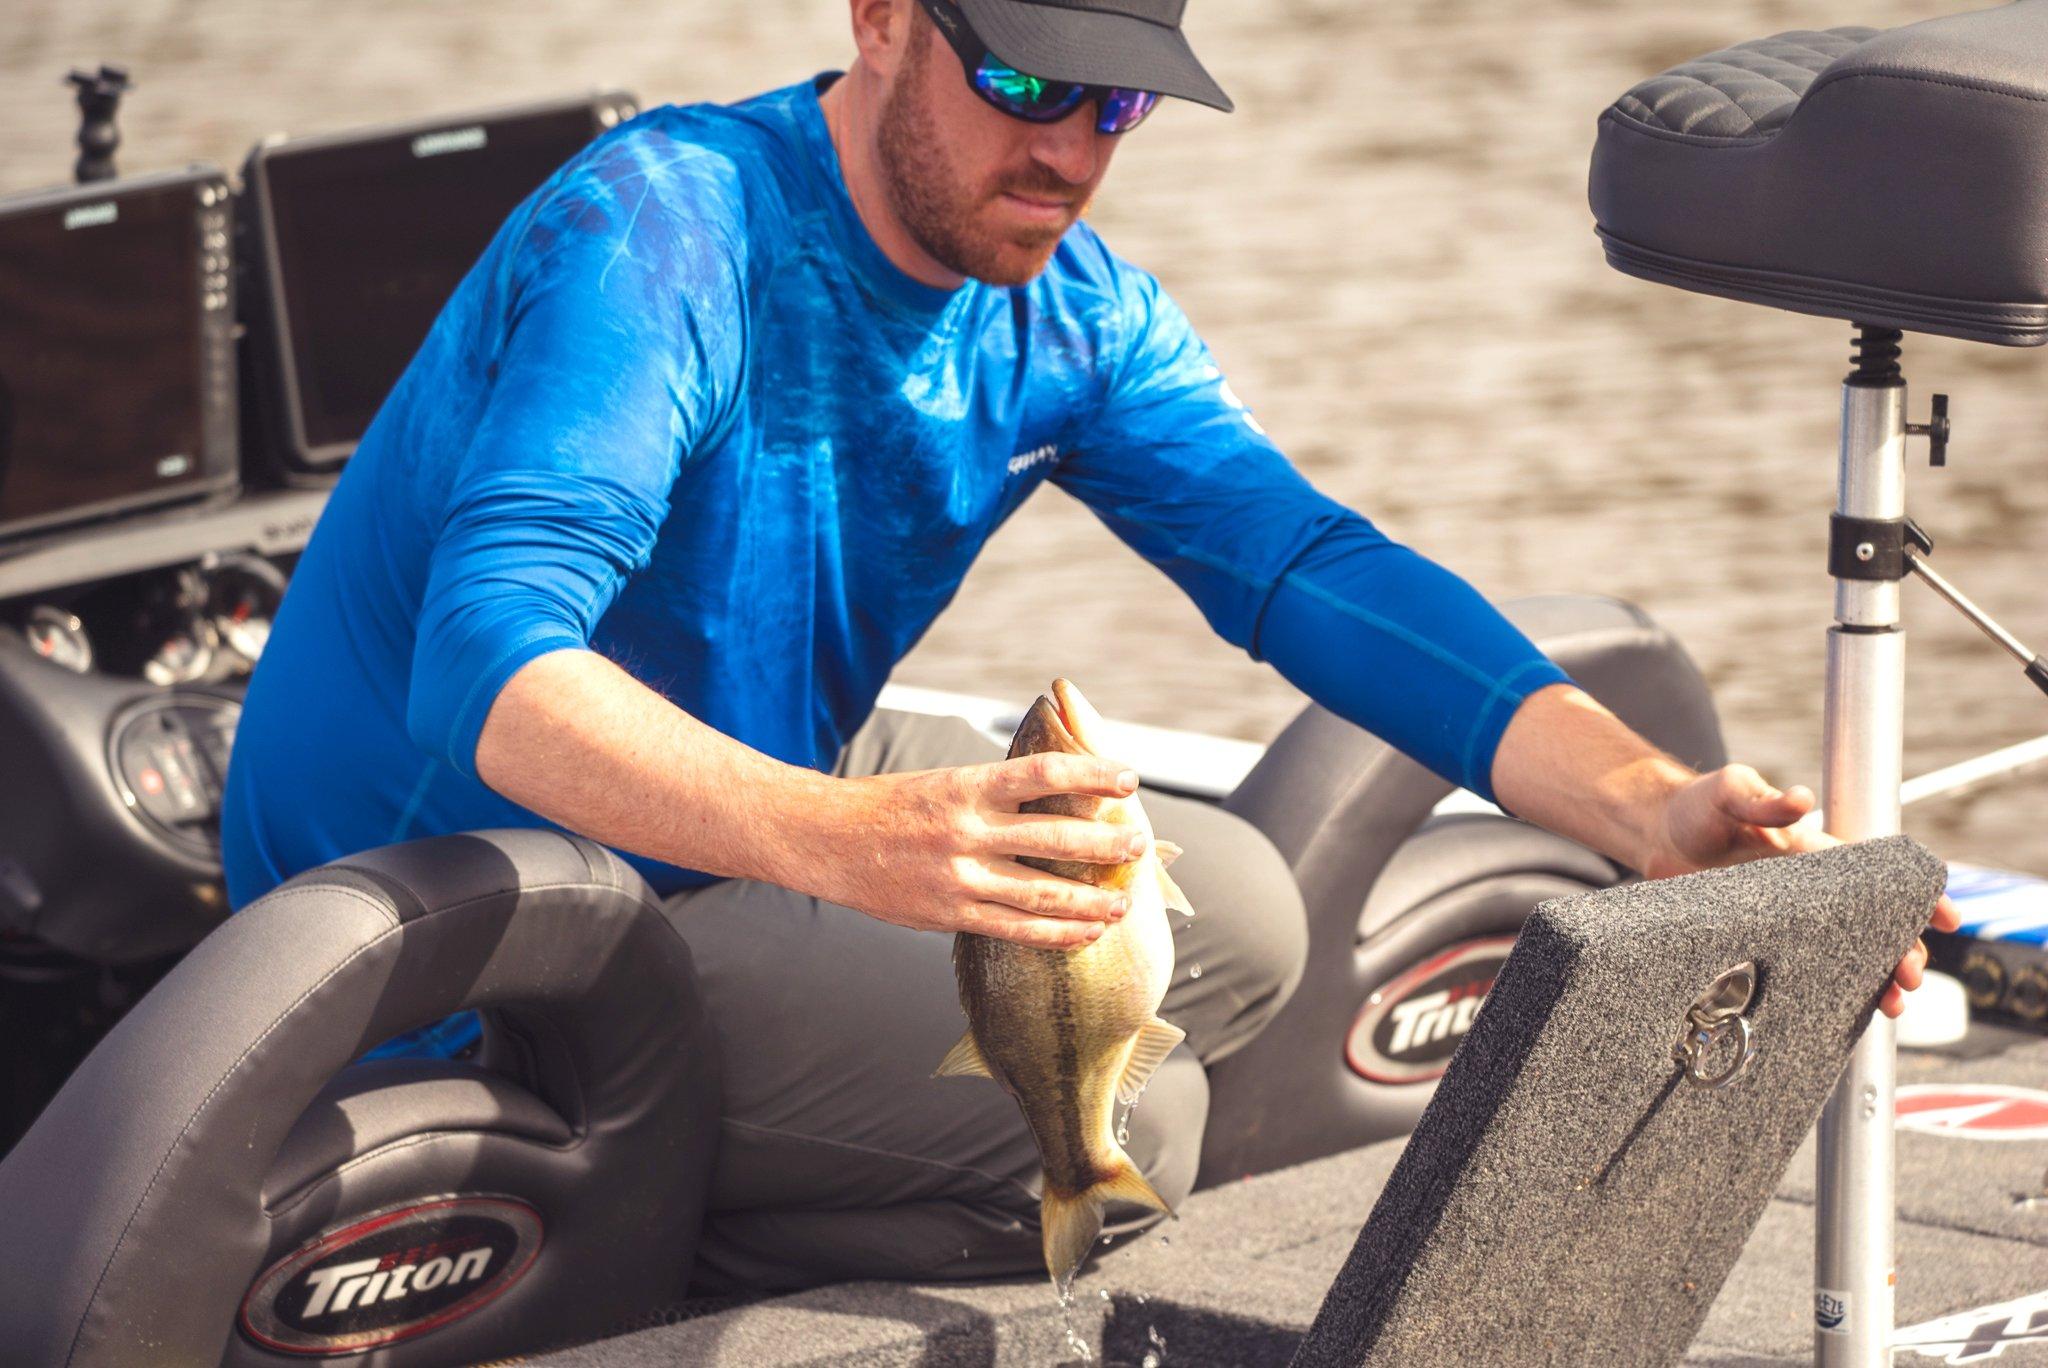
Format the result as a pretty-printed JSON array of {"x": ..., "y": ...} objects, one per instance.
[
  {"x": 372, "y": 238},
  {"x": 100, "y": 343}
]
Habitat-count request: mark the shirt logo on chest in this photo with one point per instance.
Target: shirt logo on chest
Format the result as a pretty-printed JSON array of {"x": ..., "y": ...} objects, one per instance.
[{"x": 1023, "y": 461}]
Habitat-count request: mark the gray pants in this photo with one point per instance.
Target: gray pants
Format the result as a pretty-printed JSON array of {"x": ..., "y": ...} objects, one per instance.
[{"x": 840, "y": 1155}]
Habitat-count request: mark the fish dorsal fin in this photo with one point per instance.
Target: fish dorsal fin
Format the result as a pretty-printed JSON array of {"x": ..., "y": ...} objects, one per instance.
[
  {"x": 1168, "y": 851},
  {"x": 1155, "y": 1041},
  {"x": 963, "y": 1060},
  {"x": 1175, "y": 899}
]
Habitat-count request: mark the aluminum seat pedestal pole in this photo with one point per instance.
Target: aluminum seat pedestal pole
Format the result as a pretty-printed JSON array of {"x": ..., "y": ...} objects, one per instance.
[{"x": 1862, "y": 760}]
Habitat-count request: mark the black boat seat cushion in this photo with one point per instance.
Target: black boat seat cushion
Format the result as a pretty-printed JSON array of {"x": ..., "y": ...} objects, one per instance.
[
  {"x": 1895, "y": 177},
  {"x": 1745, "y": 91}
]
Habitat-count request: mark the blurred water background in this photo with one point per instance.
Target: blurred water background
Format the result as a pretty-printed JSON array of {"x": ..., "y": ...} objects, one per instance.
[{"x": 1389, "y": 249}]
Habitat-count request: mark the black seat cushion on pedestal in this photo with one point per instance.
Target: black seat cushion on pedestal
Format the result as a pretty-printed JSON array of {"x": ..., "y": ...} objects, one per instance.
[{"x": 1896, "y": 178}]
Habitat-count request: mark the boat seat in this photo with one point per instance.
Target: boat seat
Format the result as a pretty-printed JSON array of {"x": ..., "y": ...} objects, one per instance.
[{"x": 1897, "y": 178}]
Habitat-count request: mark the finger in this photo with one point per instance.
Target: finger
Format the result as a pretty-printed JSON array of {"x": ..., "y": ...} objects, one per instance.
[
  {"x": 1749, "y": 797},
  {"x": 1764, "y": 840},
  {"x": 1010, "y": 884},
  {"x": 1893, "y": 1002},
  {"x": 1049, "y": 836},
  {"x": 1049, "y": 772},
  {"x": 1911, "y": 970},
  {"x": 1946, "y": 917},
  {"x": 1805, "y": 835},
  {"x": 1046, "y": 933}
]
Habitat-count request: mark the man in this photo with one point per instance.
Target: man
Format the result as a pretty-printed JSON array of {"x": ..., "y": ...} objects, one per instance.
[{"x": 695, "y": 454}]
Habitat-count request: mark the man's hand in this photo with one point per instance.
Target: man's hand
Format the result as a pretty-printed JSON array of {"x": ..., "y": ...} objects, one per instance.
[
  {"x": 937, "y": 850},
  {"x": 1734, "y": 814},
  {"x": 1568, "y": 764},
  {"x": 578, "y": 740}
]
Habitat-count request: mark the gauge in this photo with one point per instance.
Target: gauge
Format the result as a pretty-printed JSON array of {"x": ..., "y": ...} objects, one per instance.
[
  {"x": 59, "y": 637},
  {"x": 242, "y": 596},
  {"x": 184, "y": 653}
]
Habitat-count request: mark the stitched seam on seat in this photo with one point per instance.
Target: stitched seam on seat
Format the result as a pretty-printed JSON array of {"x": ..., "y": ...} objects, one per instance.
[
  {"x": 1772, "y": 64},
  {"x": 1623, "y": 120},
  {"x": 1985, "y": 87},
  {"x": 1824, "y": 287},
  {"x": 858, "y": 1148},
  {"x": 176, "y": 1140}
]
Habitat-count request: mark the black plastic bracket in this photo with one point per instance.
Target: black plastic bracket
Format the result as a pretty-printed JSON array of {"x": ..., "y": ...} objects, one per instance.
[
  {"x": 1866, "y": 548},
  {"x": 99, "y": 136},
  {"x": 2037, "y": 673}
]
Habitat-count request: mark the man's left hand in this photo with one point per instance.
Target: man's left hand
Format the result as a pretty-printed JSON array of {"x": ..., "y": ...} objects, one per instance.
[{"x": 1733, "y": 814}]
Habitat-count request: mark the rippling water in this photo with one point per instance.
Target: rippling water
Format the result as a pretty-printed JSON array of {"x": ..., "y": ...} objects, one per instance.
[{"x": 1388, "y": 248}]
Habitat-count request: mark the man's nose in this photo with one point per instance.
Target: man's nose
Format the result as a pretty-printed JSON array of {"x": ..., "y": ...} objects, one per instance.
[{"x": 1070, "y": 146}]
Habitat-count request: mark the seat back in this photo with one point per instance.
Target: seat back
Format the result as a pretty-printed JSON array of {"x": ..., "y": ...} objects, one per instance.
[
  {"x": 1576, "y": 1194},
  {"x": 215, "y": 1184}
]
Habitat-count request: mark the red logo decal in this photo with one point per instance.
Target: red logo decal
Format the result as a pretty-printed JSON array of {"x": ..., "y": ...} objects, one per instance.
[{"x": 1974, "y": 1111}]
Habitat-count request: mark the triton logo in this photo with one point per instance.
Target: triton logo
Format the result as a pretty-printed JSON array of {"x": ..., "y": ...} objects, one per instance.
[
  {"x": 337, "y": 1287},
  {"x": 453, "y": 140},
  {"x": 1437, "y": 1016},
  {"x": 391, "y": 1276},
  {"x": 1036, "y": 456},
  {"x": 92, "y": 215},
  {"x": 1408, "y": 1030}
]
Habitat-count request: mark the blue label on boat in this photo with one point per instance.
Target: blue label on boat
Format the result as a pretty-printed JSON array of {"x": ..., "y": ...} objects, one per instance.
[{"x": 1997, "y": 905}]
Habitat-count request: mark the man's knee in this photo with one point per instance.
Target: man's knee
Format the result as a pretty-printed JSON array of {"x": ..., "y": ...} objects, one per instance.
[
  {"x": 1249, "y": 920},
  {"x": 1278, "y": 953}
]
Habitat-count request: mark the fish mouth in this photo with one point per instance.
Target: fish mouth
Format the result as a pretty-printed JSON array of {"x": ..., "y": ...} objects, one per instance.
[{"x": 1076, "y": 714}]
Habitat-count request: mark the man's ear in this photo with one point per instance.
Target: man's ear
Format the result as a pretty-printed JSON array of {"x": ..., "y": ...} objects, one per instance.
[{"x": 883, "y": 31}]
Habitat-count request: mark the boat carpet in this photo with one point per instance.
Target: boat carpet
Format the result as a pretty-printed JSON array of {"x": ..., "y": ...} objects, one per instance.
[{"x": 1236, "y": 1281}]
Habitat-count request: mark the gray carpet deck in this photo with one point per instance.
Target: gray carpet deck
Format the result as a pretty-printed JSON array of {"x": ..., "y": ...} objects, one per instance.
[{"x": 1235, "y": 1282}]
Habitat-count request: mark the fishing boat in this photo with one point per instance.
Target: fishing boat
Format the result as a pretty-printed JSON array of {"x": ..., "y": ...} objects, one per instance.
[{"x": 201, "y": 1167}]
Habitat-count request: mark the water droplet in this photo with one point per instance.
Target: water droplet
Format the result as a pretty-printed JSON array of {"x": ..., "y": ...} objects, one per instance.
[
  {"x": 1151, "y": 1360},
  {"x": 1194, "y": 971},
  {"x": 1074, "y": 1341},
  {"x": 1104, "y": 1294},
  {"x": 1141, "y": 1298}
]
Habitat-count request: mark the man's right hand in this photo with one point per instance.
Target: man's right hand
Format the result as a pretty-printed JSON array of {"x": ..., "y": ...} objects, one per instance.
[{"x": 936, "y": 850}]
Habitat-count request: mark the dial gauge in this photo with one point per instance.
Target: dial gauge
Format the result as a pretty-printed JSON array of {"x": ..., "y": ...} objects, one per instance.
[
  {"x": 184, "y": 653},
  {"x": 242, "y": 597},
  {"x": 59, "y": 637}
]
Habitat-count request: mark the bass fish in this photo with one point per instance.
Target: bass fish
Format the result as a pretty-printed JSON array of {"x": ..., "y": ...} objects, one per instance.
[{"x": 1070, "y": 1033}]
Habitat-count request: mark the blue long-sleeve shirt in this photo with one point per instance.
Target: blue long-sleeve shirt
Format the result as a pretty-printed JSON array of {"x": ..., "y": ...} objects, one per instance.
[{"x": 685, "y": 413}]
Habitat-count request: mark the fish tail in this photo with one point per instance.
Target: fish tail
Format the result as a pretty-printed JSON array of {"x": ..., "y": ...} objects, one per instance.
[{"x": 1072, "y": 1220}]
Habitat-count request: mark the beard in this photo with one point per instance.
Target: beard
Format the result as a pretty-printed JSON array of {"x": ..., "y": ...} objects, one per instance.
[{"x": 941, "y": 209}]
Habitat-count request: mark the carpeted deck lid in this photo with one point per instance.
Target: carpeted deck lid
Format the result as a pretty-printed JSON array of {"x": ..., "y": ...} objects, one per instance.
[{"x": 1568, "y": 1196}]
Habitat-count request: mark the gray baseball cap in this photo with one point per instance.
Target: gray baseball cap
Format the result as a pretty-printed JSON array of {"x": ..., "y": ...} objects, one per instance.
[{"x": 1133, "y": 43}]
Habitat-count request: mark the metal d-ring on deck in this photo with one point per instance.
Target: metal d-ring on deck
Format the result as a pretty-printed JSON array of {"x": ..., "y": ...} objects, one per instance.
[
  {"x": 1718, "y": 1017},
  {"x": 1863, "y": 752}
]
